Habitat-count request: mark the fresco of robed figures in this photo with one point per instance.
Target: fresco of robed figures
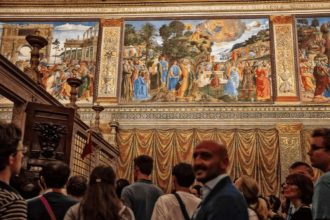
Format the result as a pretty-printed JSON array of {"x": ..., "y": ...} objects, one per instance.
[
  {"x": 71, "y": 51},
  {"x": 213, "y": 60},
  {"x": 314, "y": 58}
]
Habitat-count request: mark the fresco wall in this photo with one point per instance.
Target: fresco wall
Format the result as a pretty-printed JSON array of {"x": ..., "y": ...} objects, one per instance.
[
  {"x": 314, "y": 57},
  {"x": 209, "y": 60},
  {"x": 71, "y": 49}
]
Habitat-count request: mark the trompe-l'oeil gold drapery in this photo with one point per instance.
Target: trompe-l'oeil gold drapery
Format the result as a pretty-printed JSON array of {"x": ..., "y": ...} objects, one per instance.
[{"x": 253, "y": 152}]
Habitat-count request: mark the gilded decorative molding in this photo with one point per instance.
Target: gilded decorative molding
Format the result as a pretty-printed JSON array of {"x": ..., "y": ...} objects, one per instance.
[
  {"x": 284, "y": 56},
  {"x": 198, "y": 9},
  {"x": 107, "y": 83},
  {"x": 288, "y": 129}
]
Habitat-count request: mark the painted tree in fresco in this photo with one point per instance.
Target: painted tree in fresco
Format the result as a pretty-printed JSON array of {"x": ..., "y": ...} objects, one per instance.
[
  {"x": 147, "y": 33},
  {"x": 177, "y": 44},
  {"x": 131, "y": 37}
]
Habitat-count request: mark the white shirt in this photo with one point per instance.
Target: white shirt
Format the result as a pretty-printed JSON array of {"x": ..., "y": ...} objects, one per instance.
[{"x": 167, "y": 206}]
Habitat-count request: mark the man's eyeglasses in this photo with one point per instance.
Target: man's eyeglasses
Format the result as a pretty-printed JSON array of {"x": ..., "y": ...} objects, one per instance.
[{"x": 315, "y": 147}]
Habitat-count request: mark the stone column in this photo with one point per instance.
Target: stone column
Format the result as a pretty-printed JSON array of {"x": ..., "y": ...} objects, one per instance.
[{"x": 290, "y": 145}]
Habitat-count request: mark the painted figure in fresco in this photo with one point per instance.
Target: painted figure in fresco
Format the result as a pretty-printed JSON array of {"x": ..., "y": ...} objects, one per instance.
[
  {"x": 155, "y": 77},
  {"x": 185, "y": 69},
  {"x": 85, "y": 76},
  {"x": 306, "y": 75},
  {"x": 140, "y": 86},
  {"x": 325, "y": 29},
  {"x": 232, "y": 83},
  {"x": 173, "y": 76},
  {"x": 247, "y": 84},
  {"x": 163, "y": 70},
  {"x": 127, "y": 88},
  {"x": 321, "y": 75},
  {"x": 262, "y": 83},
  {"x": 190, "y": 81}
]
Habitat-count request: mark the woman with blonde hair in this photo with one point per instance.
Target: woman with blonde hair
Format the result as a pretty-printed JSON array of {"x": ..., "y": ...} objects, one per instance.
[
  {"x": 257, "y": 207},
  {"x": 100, "y": 201}
]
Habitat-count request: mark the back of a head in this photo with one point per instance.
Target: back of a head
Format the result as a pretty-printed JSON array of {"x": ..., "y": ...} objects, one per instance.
[
  {"x": 55, "y": 174},
  {"x": 184, "y": 174},
  {"x": 274, "y": 202},
  {"x": 302, "y": 168},
  {"x": 10, "y": 135},
  {"x": 144, "y": 163},
  {"x": 325, "y": 134},
  {"x": 76, "y": 185},
  {"x": 249, "y": 187},
  {"x": 120, "y": 184},
  {"x": 101, "y": 201}
]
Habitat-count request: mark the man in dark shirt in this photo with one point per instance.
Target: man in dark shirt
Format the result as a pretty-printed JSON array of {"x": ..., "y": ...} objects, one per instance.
[
  {"x": 142, "y": 195},
  {"x": 54, "y": 176}
]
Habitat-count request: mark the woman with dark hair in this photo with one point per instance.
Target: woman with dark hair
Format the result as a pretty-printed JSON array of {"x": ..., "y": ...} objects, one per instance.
[
  {"x": 299, "y": 190},
  {"x": 100, "y": 201}
]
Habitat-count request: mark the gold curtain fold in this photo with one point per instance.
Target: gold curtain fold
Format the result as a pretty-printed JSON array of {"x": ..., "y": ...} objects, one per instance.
[{"x": 253, "y": 152}]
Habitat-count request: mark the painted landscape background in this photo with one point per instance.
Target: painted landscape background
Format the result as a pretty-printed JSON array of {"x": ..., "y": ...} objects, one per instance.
[
  {"x": 72, "y": 48},
  {"x": 217, "y": 60},
  {"x": 314, "y": 58}
]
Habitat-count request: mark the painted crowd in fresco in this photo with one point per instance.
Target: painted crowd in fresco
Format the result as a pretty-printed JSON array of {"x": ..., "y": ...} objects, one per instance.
[
  {"x": 71, "y": 50},
  {"x": 314, "y": 58},
  {"x": 219, "y": 60}
]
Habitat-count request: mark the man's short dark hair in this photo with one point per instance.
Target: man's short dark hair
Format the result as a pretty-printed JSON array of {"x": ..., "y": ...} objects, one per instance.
[
  {"x": 325, "y": 134},
  {"x": 10, "y": 135},
  {"x": 184, "y": 174},
  {"x": 301, "y": 163},
  {"x": 144, "y": 163},
  {"x": 55, "y": 174},
  {"x": 76, "y": 186}
]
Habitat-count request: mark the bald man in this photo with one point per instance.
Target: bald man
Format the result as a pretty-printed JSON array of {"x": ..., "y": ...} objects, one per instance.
[{"x": 221, "y": 199}]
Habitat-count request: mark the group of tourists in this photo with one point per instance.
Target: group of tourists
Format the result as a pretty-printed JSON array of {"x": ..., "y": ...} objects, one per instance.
[{"x": 102, "y": 197}]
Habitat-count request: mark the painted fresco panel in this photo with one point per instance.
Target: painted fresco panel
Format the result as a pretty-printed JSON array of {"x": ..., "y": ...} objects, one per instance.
[
  {"x": 71, "y": 49},
  {"x": 211, "y": 60},
  {"x": 313, "y": 35}
]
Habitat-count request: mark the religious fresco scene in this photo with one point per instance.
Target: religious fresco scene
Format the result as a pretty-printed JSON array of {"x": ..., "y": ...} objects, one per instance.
[
  {"x": 216, "y": 60},
  {"x": 71, "y": 51},
  {"x": 314, "y": 58}
]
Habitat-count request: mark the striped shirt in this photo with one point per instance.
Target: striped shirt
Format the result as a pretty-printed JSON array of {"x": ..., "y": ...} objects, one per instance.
[{"x": 12, "y": 205}]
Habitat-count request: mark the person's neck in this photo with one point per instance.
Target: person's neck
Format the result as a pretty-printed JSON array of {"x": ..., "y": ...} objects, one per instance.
[
  {"x": 296, "y": 203},
  {"x": 183, "y": 189},
  {"x": 5, "y": 176},
  {"x": 142, "y": 176}
]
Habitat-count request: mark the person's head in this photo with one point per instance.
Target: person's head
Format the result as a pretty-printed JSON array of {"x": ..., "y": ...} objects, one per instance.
[
  {"x": 11, "y": 148},
  {"x": 120, "y": 184},
  {"x": 76, "y": 186},
  {"x": 100, "y": 200},
  {"x": 210, "y": 160},
  {"x": 183, "y": 174},
  {"x": 319, "y": 152},
  {"x": 298, "y": 186},
  {"x": 143, "y": 164},
  {"x": 55, "y": 174},
  {"x": 196, "y": 190},
  {"x": 249, "y": 188},
  {"x": 274, "y": 203},
  {"x": 302, "y": 168}
]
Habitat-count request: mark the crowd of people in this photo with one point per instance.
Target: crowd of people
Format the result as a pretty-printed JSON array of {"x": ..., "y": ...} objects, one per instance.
[{"x": 202, "y": 191}]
